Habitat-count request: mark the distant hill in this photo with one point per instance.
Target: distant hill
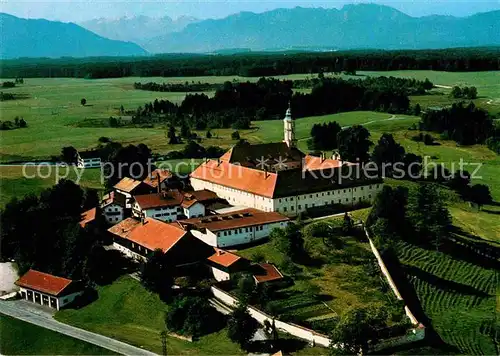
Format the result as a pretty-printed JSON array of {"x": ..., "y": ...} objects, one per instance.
[
  {"x": 136, "y": 29},
  {"x": 352, "y": 27},
  {"x": 43, "y": 38}
]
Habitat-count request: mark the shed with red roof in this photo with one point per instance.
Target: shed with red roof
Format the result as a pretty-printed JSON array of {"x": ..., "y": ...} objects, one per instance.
[{"x": 47, "y": 289}]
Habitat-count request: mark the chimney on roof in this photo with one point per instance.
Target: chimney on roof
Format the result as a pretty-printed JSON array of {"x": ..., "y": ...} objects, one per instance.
[
  {"x": 218, "y": 161},
  {"x": 159, "y": 183},
  {"x": 220, "y": 252},
  {"x": 266, "y": 174},
  {"x": 322, "y": 157},
  {"x": 143, "y": 219}
]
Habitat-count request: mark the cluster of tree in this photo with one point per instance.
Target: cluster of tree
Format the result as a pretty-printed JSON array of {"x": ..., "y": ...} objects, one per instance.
[
  {"x": 18, "y": 123},
  {"x": 8, "y": 85},
  {"x": 19, "y": 81},
  {"x": 53, "y": 241},
  {"x": 254, "y": 64},
  {"x": 465, "y": 124},
  {"x": 426, "y": 138},
  {"x": 177, "y": 87},
  {"x": 192, "y": 315},
  {"x": 493, "y": 142},
  {"x": 6, "y": 96},
  {"x": 237, "y": 104},
  {"x": 465, "y": 92},
  {"x": 460, "y": 181},
  {"x": 195, "y": 150},
  {"x": 324, "y": 136},
  {"x": 419, "y": 215},
  {"x": 123, "y": 161}
]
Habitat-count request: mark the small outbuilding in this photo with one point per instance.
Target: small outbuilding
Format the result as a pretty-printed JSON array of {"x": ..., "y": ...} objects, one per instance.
[{"x": 48, "y": 290}]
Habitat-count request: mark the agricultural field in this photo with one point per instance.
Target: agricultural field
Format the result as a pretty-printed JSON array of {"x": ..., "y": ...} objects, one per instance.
[
  {"x": 21, "y": 338},
  {"x": 459, "y": 296}
]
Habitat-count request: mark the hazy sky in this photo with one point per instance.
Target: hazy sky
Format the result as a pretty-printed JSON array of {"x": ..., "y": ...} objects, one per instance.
[{"x": 79, "y": 10}]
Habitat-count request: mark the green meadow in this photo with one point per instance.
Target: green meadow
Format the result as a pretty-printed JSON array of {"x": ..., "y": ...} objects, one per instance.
[{"x": 21, "y": 338}]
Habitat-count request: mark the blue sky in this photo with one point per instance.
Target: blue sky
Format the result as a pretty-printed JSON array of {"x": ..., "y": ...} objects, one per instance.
[{"x": 80, "y": 10}]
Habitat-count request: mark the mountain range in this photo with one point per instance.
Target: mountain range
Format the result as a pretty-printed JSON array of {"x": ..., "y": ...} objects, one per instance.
[
  {"x": 136, "y": 29},
  {"x": 351, "y": 27},
  {"x": 43, "y": 38}
]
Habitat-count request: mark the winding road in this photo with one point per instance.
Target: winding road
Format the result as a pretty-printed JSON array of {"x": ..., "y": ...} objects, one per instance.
[{"x": 17, "y": 310}]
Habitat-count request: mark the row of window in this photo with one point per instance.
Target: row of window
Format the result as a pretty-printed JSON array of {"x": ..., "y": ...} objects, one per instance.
[
  {"x": 328, "y": 193},
  {"x": 306, "y": 206},
  {"x": 240, "y": 231}
]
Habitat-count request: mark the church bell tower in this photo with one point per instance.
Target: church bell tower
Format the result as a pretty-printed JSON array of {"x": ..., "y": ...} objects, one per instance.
[{"x": 289, "y": 128}]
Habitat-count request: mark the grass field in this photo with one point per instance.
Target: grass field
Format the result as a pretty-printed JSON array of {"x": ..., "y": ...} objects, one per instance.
[
  {"x": 458, "y": 296},
  {"x": 20, "y": 338},
  {"x": 126, "y": 311}
]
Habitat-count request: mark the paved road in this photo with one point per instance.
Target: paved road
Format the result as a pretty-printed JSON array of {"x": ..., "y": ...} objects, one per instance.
[{"x": 44, "y": 320}]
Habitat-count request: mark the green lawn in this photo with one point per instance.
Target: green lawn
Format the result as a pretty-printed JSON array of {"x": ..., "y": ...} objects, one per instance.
[
  {"x": 21, "y": 338},
  {"x": 127, "y": 312}
]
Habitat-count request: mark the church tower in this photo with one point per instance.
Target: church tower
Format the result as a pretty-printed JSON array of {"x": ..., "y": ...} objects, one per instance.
[{"x": 289, "y": 128}]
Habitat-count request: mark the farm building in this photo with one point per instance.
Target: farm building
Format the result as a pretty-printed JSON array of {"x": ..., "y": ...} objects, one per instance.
[{"x": 48, "y": 290}]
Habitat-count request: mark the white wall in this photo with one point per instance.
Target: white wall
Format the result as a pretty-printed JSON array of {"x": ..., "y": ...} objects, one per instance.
[
  {"x": 220, "y": 275},
  {"x": 235, "y": 196},
  {"x": 129, "y": 253},
  {"x": 234, "y": 237},
  {"x": 113, "y": 213},
  {"x": 195, "y": 210},
  {"x": 67, "y": 299},
  {"x": 167, "y": 214},
  {"x": 128, "y": 200},
  {"x": 291, "y": 205}
]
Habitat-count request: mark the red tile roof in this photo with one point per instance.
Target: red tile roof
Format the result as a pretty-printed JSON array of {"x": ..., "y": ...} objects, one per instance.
[
  {"x": 313, "y": 163},
  {"x": 88, "y": 217},
  {"x": 127, "y": 184},
  {"x": 43, "y": 282},
  {"x": 202, "y": 195},
  {"x": 152, "y": 234},
  {"x": 155, "y": 200},
  {"x": 224, "y": 258},
  {"x": 267, "y": 273},
  {"x": 235, "y": 219},
  {"x": 152, "y": 179},
  {"x": 238, "y": 177}
]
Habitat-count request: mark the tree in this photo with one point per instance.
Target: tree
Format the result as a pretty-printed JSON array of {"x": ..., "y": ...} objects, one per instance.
[
  {"x": 172, "y": 138},
  {"x": 347, "y": 224},
  {"x": 191, "y": 315},
  {"x": 480, "y": 194},
  {"x": 69, "y": 155},
  {"x": 354, "y": 144},
  {"x": 389, "y": 212},
  {"x": 417, "y": 110},
  {"x": 83, "y": 101},
  {"x": 241, "y": 327},
  {"x": 194, "y": 150},
  {"x": 288, "y": 241},
  {"x": 472, "y": 94},
  {"x": 427, "y": 212},
  {"x": 456, "y": 92},
  {"x": 208, "y": 134},
  {"x": 245, "y": 288},
  {"x": 357, "y": 330},
  {"x": 90, "y": 199},
  {"x": 185, "y": 131},
  {"x": 155, "y": 274},
  {"x": 235, "y": 135},
  {"x": 22, "y": 123},
  {"x": 389, "y": 151},
  {"x": 459, "y": 182}
]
